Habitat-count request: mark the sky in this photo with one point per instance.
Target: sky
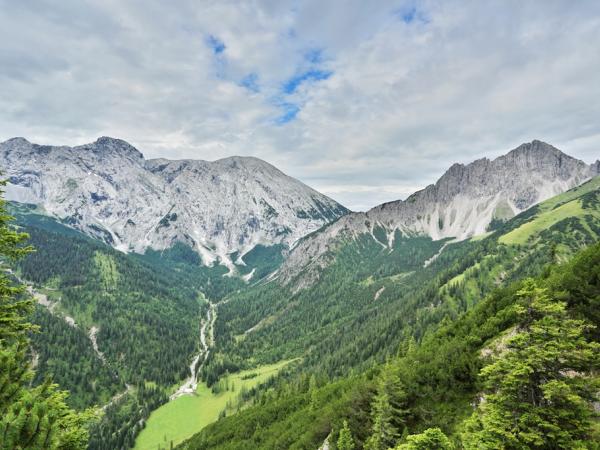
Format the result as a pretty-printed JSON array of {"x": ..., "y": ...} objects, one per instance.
[{"x": 366, "y": 101}]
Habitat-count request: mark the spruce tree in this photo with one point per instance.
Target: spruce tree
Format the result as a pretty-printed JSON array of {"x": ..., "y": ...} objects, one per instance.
[
  {"x": 387, "y": 411},
  {"x": 539, "y": 391},
  {"x": 432, "y": 438},
  {"x": 30, "y": 417},
  {"x": 345, "y": 440}
]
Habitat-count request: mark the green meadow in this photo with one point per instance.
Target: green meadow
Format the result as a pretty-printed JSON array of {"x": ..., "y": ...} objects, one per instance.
[
  {"x": 552, "y": 211},
  {"x": 542, "y": 222},
  {"x": 181, "y": 418}
]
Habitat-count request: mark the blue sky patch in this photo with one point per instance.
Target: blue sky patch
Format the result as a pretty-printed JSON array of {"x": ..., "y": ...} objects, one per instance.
[
  {"x": 290, "y": 86},
  {"x": 411, "y": 14},
  {"x": 408, "y": 15},
  {"x": 314, "y": 56},
  {"x": 250, "y": 82},
  {"x": 290, "y": 111},
  {"x": 217, "y": 45}
]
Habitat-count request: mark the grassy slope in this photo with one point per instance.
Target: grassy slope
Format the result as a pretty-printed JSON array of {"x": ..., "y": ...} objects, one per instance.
[
  {"x": 181, "y": 418},
  {"x": 439, "y": 376},
  {"x": 553, "y": 211},
  {"x": 482, "y": 266}
]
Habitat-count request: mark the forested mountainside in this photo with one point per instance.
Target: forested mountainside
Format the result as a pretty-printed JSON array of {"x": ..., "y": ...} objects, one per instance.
[
  {"x": 221, "y": 209},
  {"x": 518, "y": 370},
  {"x": 31, "y": 416},
  {"x": 373, "y": 297},
  {"x": 285, "y": 357},
  {"x": 466, "y": 201},
  {"x": 113, "y": 323}
]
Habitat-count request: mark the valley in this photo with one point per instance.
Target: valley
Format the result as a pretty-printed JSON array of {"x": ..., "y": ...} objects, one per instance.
[
  {"x": 206, "y": 328},
  {"x": 300, "y": 225},
  {"x": 273, "y": 343},
  {"x": 186, "y": 415}
]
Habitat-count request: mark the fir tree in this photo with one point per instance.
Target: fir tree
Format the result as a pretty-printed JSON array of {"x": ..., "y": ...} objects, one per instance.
[
  {"x": 345, "y": 440},
  {"x": 432, "y": 438},
  {"x": 30, "y": 418},
  {"x": 539, "y": 392},
  {"x": 387, "y": 411}
]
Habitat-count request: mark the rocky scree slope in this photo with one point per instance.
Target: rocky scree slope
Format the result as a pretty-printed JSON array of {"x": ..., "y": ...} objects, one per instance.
[
  {"x": 108, "y": 190},
  {"x": 461, "y": 204}
]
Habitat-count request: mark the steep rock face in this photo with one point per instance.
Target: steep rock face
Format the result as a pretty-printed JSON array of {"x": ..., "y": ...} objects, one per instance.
[
  {"x": 108, "y": 190},
  {"x": 461, "y": 204},
  {"x": 465, "y": 199}
]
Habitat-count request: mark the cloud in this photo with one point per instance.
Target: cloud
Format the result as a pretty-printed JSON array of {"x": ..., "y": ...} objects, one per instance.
[
  {"x": 364, "y": 100},
  {"x": 314, "y": 55},
  {"x": 250, "y": 82}
]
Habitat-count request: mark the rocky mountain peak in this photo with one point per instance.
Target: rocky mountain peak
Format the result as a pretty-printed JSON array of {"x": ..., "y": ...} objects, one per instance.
[
  {"x": 222, "y": 209},
  {"x": 536, "y": 147},
  {"x": 16, "y": 144},
  {"x": 106, "y": 144},
  {"x": 16, "y": 141},
  {"x": 462, "y": 203},
  {"x": 539, "y": 155}
]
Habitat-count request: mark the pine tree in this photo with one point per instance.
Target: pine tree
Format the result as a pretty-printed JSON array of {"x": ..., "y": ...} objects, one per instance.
[
  {"x": 38, "y": 417},
  {"x": 539, "y": 392},
  {"x": 345, "y": 440},
  {"x": 314, "y": 393},
  {"x": 432, "y": 438},
  {"x": 387, "y": 411}
]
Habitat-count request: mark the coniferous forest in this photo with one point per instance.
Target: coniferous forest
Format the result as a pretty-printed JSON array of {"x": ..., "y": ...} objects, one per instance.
[
  {"x": 489, "y": 345},
  {"x": 299, "y": 225}
]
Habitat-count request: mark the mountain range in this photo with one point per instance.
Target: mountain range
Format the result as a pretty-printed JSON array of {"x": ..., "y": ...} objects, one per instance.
[
  {"x": 136, "y": 313},
  {"x": 468, "y": 200},
  {"x": 224, "y": 209},
  {"x": 221, "y": 209}
]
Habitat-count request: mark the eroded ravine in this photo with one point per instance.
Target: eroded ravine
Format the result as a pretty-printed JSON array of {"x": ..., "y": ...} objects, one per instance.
[{"x": 206, "y": 342}]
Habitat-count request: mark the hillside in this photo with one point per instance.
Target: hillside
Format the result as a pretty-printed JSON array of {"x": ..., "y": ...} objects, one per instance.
[
  {"x": 372, "y": 298},
  {"x": 115, "y": 328},
  {"x": 437, "y": 382}
]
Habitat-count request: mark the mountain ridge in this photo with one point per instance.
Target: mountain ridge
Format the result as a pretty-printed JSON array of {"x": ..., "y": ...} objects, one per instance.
[
  {"x": 222, "y": 209},
  {"x": 464, "y": 202}
]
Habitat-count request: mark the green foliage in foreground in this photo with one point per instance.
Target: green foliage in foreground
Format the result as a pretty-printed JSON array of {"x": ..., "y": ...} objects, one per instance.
[
  {"x": 436, "y": 383},
  {"x": 30, "y": 417},
  {"x": 540, "y": 388},
  {"x": 345, "y": 440},
  {"x": 431, "y": 438}
]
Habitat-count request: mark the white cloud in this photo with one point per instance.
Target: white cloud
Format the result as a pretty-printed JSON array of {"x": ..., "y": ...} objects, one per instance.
[{"x": 462, "y": 80}]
